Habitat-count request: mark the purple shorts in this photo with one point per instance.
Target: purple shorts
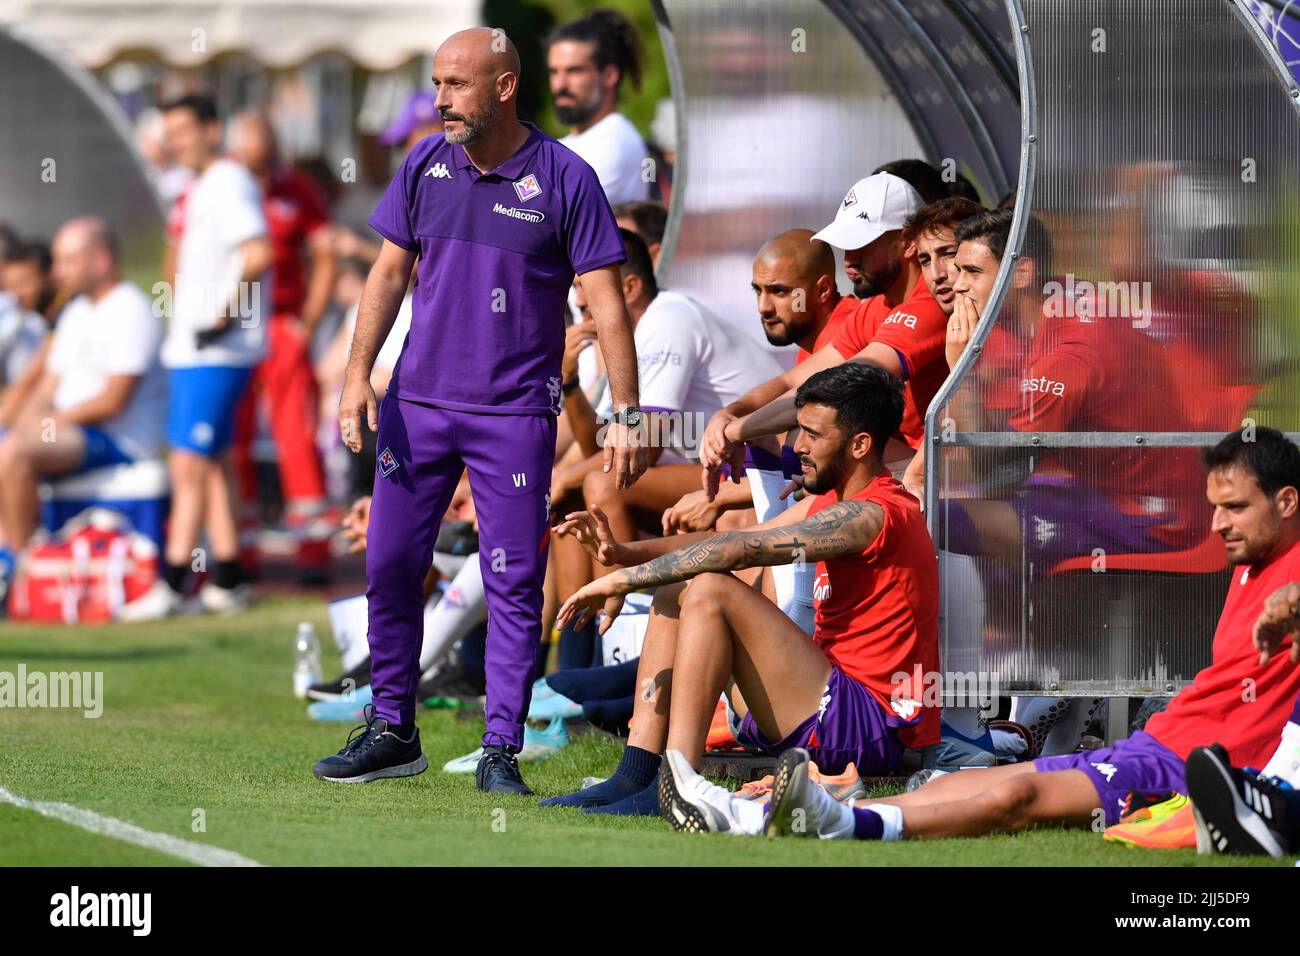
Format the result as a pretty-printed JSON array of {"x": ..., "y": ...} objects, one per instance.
[
  {"x": 850, "y": 727},
  {"x": 1139, "y": 762},
  {"x": 1061, "y": 521}
]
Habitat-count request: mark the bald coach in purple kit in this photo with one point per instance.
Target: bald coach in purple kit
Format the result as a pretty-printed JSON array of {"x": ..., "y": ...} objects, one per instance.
[{"x": 501, "y": 218}]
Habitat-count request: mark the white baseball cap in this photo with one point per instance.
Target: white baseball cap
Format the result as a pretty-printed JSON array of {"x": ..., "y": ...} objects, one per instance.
[{"x": 874, "y": 206}]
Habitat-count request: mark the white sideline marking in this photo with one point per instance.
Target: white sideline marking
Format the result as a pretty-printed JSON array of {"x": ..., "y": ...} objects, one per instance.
[{"x": 200, "y": 853}]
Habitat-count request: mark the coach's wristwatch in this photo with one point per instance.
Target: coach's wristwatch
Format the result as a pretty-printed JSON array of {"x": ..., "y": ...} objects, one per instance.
[{"x": 629, "y": 416}]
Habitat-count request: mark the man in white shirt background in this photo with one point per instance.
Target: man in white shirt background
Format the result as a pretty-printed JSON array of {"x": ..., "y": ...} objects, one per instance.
[
  {"x": 689, "y": 363},
  {"x": 587, "y": 61},
  {"x": 215, "y": 336},
  {"x": 101, "y": 399}
]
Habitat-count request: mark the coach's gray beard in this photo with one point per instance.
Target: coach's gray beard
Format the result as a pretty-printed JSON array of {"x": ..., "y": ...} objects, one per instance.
[{"x": 476, "y": 125}]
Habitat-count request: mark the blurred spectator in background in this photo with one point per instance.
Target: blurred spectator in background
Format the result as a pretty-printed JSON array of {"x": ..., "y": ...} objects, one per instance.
[
  {"x": 24, "y": 332},
  {"x": 332, "y": 365},
  {"x": 587, "y": 61},
  {"x": 101, "y": 399},
  {"x": 27, "y": 317},
  {"x": 216, "y": 270},
  {"x": 283, "y": 387},
  {"x": 26, "y": 276},
  {"x": 419, "y": 118},
  {"x": 663, "y": 150},
  {"x": 169, "y": 178}
]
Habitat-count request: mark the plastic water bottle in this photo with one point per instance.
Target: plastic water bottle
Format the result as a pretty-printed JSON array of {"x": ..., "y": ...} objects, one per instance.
[{"x": 306, "y": 669}]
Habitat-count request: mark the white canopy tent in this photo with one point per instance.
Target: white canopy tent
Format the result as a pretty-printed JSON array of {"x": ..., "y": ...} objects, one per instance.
[{"x": 376, "y": 34}]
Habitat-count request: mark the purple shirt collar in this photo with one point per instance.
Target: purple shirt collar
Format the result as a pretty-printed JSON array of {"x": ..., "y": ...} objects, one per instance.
[{"x": 513, "y": 167}]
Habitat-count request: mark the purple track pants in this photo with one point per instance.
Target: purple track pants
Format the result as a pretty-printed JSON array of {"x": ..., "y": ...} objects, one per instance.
[{"x": 420, "y": 453}]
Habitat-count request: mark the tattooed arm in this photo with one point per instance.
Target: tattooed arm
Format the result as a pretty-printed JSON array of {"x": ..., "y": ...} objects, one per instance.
[{"x": 843, "y": 528}]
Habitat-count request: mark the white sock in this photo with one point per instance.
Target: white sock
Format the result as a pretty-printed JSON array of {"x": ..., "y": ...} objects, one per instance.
[
  {"x": 892, "y": 817},
  {"x": 445, "y": 624},
  {"x": 765, "y": 490},
  {"x": 1285, "y": 762},
  {"x": 751, "y": 815}
]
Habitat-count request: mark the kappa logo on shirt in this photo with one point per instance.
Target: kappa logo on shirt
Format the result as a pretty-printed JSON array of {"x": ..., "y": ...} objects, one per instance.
[
  {"x": 528, "y": 188},
  {"x": 387, "y": 462},
  {"x": 904, "y": 707},
  {"x": 438, "y": 171},
  {"x": 1044, "y": 530},
  {"x": 822, "y": 587}
]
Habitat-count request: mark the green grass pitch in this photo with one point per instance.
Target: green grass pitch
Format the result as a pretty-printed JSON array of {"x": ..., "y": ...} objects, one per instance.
[{"x": 198, "y": 715}]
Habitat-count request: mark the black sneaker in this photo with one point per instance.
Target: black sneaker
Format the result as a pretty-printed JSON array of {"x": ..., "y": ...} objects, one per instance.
[
  {"x": 373, "y": 754},
  {"x": 358, "y": 677},
  {"x": 1235, "y": 811},
  {"x": 498, "y": 772}
]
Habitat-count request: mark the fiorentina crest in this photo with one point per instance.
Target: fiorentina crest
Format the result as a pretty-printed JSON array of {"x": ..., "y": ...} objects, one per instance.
[
  {"x": 387, "y": 462},
  {"x": 527, "y": 188}
]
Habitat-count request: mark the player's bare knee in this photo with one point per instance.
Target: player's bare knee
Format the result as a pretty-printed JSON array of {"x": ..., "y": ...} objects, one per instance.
[
  {"x": 186, "y": 469},
  {"x": 598, "y": 489},
  {"x": 703, "y": 590},
  {"x": 9, "y": 452},
  {"x": 1012, "y": 801}
]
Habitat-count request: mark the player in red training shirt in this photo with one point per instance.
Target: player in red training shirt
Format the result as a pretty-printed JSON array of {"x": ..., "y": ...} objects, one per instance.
[
  {"x": 897, "y": 325},
  {"x": 1253, "y": 489},
  {"x": 847, "y": 694},
  {"x": 1069, "y": 370},
  {"x": 284, "y": 384}
]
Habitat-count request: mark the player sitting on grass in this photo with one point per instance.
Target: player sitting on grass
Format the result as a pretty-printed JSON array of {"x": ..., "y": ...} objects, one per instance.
[
  {"x": 845, "y": 694},
  {"x": 1254, "y": 812},
  {"x": 1240, "y": 700}
]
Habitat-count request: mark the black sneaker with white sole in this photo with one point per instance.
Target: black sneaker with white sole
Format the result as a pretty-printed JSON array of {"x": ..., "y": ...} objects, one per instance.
[
  {"x": 353, "y": 680},
  {"x": 373, "y": 752},
  {"x": 1235, "y": 811},
  {"x": 498, "y": 772}
]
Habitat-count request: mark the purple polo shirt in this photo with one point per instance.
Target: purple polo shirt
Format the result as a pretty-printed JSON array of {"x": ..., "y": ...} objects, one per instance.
[{"x": 498, "y": 252}]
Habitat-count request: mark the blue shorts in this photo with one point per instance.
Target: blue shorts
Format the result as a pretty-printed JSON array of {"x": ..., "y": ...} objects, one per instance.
[
  {"x": 101, "y": 451},
  {"x": 201, "y": 409},
  {"x": 850, "y": 727},
  {"x": 1139, "y": 762}
]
